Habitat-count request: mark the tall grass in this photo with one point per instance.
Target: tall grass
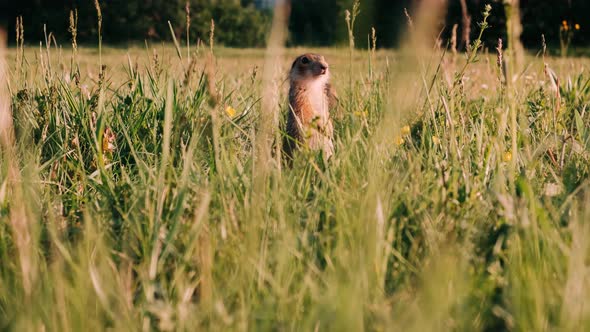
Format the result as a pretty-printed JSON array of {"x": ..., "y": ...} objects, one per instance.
[{"x": 153, "y": 198}]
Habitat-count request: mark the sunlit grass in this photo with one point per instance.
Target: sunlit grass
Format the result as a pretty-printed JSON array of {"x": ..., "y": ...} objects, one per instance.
[{"x": 136, "y": 188}]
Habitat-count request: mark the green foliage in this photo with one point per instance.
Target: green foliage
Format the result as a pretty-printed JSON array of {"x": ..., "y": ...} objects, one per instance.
[
  {"x": 128, "y": 21},
  {"x": 239, "y": 26},
  {"x": 312, "y": 22},
  {"x": 131, "y": 199}
]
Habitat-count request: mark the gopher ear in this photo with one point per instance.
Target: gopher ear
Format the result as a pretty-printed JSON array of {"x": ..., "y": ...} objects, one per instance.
[{"x": 294, "y": 62}]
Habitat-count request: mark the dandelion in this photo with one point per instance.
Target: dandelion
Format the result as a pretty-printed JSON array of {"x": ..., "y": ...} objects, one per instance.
[
  {"x": 435, "y": 140},
  {"x": 577, "y": 26},
  {"x": 230, "y": 111},
  {"x": 406, "y": 130},
  {"x": 398, "y": 140},
  {"x": 507, "y": 157}
]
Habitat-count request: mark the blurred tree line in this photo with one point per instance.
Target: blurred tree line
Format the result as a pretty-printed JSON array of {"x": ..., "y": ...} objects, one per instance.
[
  {"x": 321, "y": 22},
  {"x": 313, "y": 22},
  {"x": 138, "y": 20}
]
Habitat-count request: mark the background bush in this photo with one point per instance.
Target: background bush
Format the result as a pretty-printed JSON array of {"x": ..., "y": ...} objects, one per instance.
[
  {"x": 139, "y": 20},
  {"x": 313, "y": 22}
]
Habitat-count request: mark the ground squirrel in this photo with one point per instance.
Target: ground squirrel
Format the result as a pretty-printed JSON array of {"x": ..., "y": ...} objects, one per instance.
[{"x": 310, "y": 99}]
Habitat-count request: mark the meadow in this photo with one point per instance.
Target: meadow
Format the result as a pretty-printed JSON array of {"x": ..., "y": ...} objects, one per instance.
[{"x": 143, "y": 188}]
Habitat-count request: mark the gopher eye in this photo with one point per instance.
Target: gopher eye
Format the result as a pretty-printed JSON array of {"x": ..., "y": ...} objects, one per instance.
[{"x": 304, "y": 60}]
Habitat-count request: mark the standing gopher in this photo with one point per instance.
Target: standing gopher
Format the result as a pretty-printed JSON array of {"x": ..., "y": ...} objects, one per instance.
[{"x": 310, "y": 99}]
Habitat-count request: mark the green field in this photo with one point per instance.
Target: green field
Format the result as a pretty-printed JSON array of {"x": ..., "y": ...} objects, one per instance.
[{"x": 150, "y": 195}]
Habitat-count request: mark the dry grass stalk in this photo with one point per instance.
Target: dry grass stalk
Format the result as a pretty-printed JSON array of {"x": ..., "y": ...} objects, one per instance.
[
  {"x": 176, "y": 45},
  {"x": 574, "y": 308},
  {"x": 417, "y": 49},
  {"x": 426, "y": 25},
  {"x": 466, "y": 24},
  {"x": 372, "y": 51},
  {"x": 373, "y": 41},
  {"x": 73, "y": 28},
  {"x": 500, "y": 62},
  {"x": 350, "y": 18},
  {"x": 20, "y": 40},
  {"x": 409, "y": 19},
  {"x": 214, "y": 98},
  {"x": 17, "y": 27},
  {"x": 514, "y": 31},
  {"x": 48, "y": 51},
  {"x": 212, "y": 36},
  {"x": 554, "y": 82},
  {"x": 192, "y": 65},
  {"x": 404, "y": 91},
  {"x": 454, "y": 40},
  {"x": 187, "y": 10},
  {"x": 210, "y": 68},
  {"x": 205, "y": 263},
  {"x": 204, "y": 256},
  {"x": 99, "y": 15},
  {"x": 544, "y": 44},
  {"x": 18, "y": 220},
  {"x": 268, "y": 125},
  {"x": 269, "y": 117},
  {"x": 6, "y": 129}
]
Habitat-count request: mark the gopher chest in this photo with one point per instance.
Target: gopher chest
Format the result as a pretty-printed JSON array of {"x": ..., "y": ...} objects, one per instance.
[
  {"x": 319, "y": 102},
  {"x": 315, "y": 112},
  {"x": 311, "y": 107}
]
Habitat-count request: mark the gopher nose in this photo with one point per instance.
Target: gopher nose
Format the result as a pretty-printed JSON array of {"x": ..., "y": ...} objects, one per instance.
[{"x": 323, "y": 68}]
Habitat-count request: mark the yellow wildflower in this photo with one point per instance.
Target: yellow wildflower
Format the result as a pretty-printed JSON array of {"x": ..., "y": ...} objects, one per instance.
[
  {"x": 406, "y": 130},
  {"x": 507, "y": 156},
  {"x": 108, "y": 145},
  {"x": 362, "y": 114},
  {"x": 564, "y": 26},
  {"x": 108, "y": 141},
  {"x": 230, "y": 111},
  {"x": 435, "y": 140},
  {"x": 399, "y": 140},
  {"x": 577, "y": 26}
]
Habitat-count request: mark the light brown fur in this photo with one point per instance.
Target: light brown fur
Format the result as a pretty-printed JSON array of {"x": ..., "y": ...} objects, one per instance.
[{"x": 310, "y": 99}]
